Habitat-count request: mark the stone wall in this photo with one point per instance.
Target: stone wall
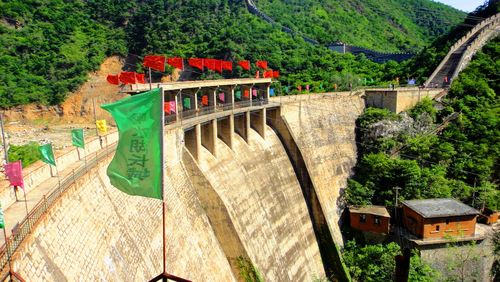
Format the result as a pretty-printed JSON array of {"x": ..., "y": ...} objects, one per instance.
[
  {"x": 97, "y": 233},
  {"x": 265, "y": 206},
  {"x": 323, "y": 128},
  {"x": 398, "y": 100},
  {"x": 470, "y": 261}
]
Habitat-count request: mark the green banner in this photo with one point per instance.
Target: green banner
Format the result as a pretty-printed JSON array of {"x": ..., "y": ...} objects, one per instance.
[
  {"x": 187, "y": 103},
  {"x": 77, "y": 138},
  {"x": 2, "y": 220},
  {"x": 47, "y": 155},
  {"x": 136, "y": 166}
]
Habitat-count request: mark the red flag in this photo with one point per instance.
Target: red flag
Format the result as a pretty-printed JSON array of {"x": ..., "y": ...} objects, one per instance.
[
  {"x": 196, "y": 63},
  {"x": 268, "y": 74},
  {"x": 218, "y": 66},
  {"x": 262, "y": 64},
  {"x": 127, "y": 77},
  {"x": 209, "y": 63},
  {"x": 166, "y": 107},
  {"x": 113, "y": 79},
  {"x": 139, "y": 77},
  {"x": 155, "y": 62},
  {"x": 276, "y": 74},
  {"x": 204, "y": 100},
  {"x": 176, "y": 63},
  {"x": 227, "y": 65},
  {"x": 244, "y": 64},
  {"x": 246, "y": 93},
  {"x": 14, "y": 173}
]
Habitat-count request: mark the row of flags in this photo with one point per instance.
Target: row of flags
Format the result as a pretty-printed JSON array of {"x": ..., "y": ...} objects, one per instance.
[
  {"x": 171, "y": 108},
  {"x": 158, "y": 63},
  {"x": 126, "y": 77},
  {"x": 14, "y": 170}
]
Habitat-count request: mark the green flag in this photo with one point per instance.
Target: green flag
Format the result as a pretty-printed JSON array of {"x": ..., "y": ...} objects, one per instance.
[
  {"x": 77, "y": 138},
  {"x": 136, "y": 166},
  {"x": 2, "y": 220},
  {"x": 238, "y": 95},
  {"x": 47, "y": 154},
  {"x": 187, "y": 103}
]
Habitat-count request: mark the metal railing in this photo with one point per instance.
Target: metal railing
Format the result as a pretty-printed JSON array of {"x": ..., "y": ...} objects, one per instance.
[{"x": 25, "y": 227}]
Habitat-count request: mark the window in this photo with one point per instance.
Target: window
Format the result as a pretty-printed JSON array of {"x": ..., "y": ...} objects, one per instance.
[
  {"x": 377, "y": 220},
  {"x": 437, "y": 228},
  {"x": 362, "y": 218}
]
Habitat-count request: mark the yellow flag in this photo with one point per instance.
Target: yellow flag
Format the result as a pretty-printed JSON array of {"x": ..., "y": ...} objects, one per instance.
[{"x": 102, "y": 128}]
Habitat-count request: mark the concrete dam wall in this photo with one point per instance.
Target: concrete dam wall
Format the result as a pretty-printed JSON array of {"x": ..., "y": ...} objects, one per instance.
[
  {"x": 247, "y": 202},
  {"x": 323, "y": 127},
  {"x": 258, "y": 187}
]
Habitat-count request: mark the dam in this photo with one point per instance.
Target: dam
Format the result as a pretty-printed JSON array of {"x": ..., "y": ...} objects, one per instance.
[{"x": 257, "y": 180}]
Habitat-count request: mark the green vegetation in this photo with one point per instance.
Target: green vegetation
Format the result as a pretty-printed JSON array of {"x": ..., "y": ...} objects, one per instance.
[
  {"x": 387, "y": 26},
  {"x": 461, "y": 161},
  {"x": 248, "y": 270},
  {"x": 48, "y": 49},
  {"x": 377, "y": 263},
  {"x": 28, "y": 153},
  {"x": 495, "y": 271}
]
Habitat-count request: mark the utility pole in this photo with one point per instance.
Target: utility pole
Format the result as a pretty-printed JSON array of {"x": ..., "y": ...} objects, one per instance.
[
  {"x": 397, "y": 188},
  {"x": 6, "y": 154}
]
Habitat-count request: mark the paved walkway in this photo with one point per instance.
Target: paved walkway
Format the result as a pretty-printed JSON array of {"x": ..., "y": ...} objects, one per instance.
[{"x": 16, "y": 212}]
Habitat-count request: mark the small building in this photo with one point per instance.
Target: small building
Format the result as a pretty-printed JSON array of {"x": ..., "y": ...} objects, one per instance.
[
  {"x": 370, "y": 219},
  {"x": 488, "y": 216},
  {"x": 439, "y": 218}
]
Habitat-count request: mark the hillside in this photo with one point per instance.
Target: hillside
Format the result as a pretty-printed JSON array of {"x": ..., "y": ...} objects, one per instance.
[
  {"x": 388, "y": 26},
  {"x": 46, "y": 52}
]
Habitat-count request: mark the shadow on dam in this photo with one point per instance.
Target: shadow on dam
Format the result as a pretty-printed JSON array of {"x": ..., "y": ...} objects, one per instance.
[{"x": 330, "y": 253}]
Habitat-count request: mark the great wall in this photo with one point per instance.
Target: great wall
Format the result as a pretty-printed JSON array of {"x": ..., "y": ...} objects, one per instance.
[{"x": 260, "y": 181}]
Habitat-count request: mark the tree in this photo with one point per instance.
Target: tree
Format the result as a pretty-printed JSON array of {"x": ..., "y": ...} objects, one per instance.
[{"x": 371, "y": 262}]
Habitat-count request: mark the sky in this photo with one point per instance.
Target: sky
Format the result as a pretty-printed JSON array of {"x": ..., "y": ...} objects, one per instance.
[{"x": 464, "y": 5}]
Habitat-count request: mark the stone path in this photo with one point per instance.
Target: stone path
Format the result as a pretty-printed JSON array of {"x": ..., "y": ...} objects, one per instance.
[{"x": 16, "y": 212}]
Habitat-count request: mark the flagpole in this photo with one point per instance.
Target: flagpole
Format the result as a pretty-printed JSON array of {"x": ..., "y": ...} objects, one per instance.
[
  {"x": 25, "y": 202},
  {"x": 162, "y": 181},
  {"x": 150, "y": 87},
  {"x": 57, "y": 170},
  {"x": 84, "y": 151},
  {"x": 95, "y": 123}
]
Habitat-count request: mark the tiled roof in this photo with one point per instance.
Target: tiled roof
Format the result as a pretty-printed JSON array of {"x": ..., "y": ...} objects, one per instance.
[
  {"x": 375, "y": 210},
  {"x": 431, "y": 208}
]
